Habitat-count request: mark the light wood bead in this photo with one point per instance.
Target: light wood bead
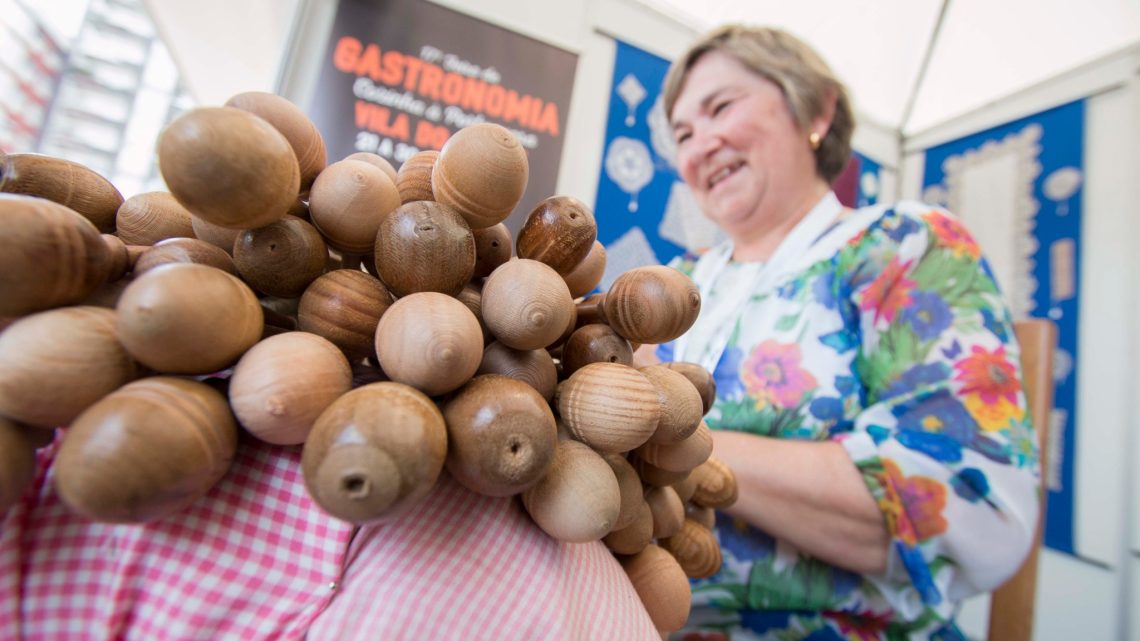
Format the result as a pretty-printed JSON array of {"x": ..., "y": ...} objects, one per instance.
[
  {"x": 146, "y": 218},
  {"x": 653, "y": 304},
  {"x": 64, "y": 182},
  {"x": 221, "y": 237},
  {"x": 595, "y": 343},
  {"x": 716, "y": 484},
  {"x": 430, "y": 341},
  {"x": 526, "y": 304},
  {"x": 701, "y": 378},
  {"x": 281, "y": 258},
  {"x": 632, "y": 495},
  {"x": 424, "y": 246},
  {"x": 560, "y": 231},
  {"x": 182, "y": 250},
  {"x": 703, "y": 516},
  {"x": 345, "y": 307},
  {"x": 681, "y": 456},
  {"x": 696, "y": 549},
  {"x": 534, "y": 367},
  {"x": 611, "y": 407},
  {"x": 347, "y": 202},
  {"x": 578, "y": 500},
  {"x": 17, "y": 463},
  {"x": 668, "y": 511},
  {"x": 472, "y": 296},
  {"x": 652, "y": 475},
  {"x": 378, "y": 161},
  {"x": 662, "y": 585},
  {"x": 685, "y": 488},
  {"x": 302, "y": 135},
  {"x": 482, "y": 172},
  {"x": 637, "y": 534},
  {"x": 492, "y": 248},
  {"x": 118, "y": 258},
  {"x": 681, "y": 408},
  {"x": 587, "y": 274},
  {"x": 413, "y": 180}
]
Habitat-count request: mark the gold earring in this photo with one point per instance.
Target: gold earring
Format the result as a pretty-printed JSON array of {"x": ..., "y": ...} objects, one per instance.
[{"x": 813, "y": 139}]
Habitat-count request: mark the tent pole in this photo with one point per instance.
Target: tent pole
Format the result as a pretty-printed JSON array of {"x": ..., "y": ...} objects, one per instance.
[{"x": 921, "y": 77}]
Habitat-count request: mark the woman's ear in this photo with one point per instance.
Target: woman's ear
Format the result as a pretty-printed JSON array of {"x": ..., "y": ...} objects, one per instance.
[{"x": 821, "y": 124}]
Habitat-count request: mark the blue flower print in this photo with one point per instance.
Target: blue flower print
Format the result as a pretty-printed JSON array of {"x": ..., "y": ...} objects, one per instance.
[
  {"x": 664, "y": 352},
  {"x": 827, "y": 408},
  {"x": 994, "y": 325},
  {"x": 823, "y": 289},
  {"x": 915, "y": 378},
  {"x": 743, "y": 541},
  {"x": 940, "y": 412},
  {"x": 765, "y": 620},
  {"x": 919, "y": 573},
  {"x": 899, "y": 227},
  {"x": 937, "y": 446},
  {"x": 727, "y": 373},
  {"x": 971, "y": 484},
  {"x": 846, "y": 384},
  {"x": 928, "y": 315}
]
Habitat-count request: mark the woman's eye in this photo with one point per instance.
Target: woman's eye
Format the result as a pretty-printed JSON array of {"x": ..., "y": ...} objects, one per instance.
[
  {"x": 681, "y": 137},
  {"x": 719, "y": 107}
]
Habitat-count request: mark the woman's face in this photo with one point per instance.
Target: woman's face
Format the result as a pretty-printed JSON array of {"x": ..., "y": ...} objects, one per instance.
[{"x": 738, "y": 147}]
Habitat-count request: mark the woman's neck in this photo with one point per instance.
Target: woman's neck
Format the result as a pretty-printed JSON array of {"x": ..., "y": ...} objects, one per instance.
[{"x": 759, "y": 243}]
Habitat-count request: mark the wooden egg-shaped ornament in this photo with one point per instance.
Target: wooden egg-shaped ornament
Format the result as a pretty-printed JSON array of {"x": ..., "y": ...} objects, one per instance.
[
  {"x": 492, "y": 248},
  {"x": 703, "y": 516},
  {"x": 283, "y": 383},
  {"x": 526, "y": 304},
  {"x": 345, "y": 306},
  {"x": 62, "y": 181},
  {"x": 681, "y": 408},
  {"x": 681, "y": 456},
  {"x": 685, "y": 488},
  {"x": 534, "y": 367},
  {"x": 17, "y": 463},
  {"x": 146, "y": 450},
  {"x": 300, "y": 132},
  {"x": 429, "y": 341},
  {"x": 183, "y": 250},
  {"x": 221, "y": 237},
  {"x": 609, "y": 406},
  {"x": 662, "y": 585},
  {"x": 696, "y": 549},
  {"x": 188, "y": 319},
  {"x": 375, "y": 452},
  {"x": 636, "y": 534},
  {"x": 668, "y": 511},
  {"x": 578, "y": 500},
  {"x": 501, "y": 435},
  {"x": 472, "y": 296},
  {"x": 146, "y": 218},
  {"x": 49, "y": 256},
  {"x": 716, "y": 484},
  {"x": 378, "y": 161},
  {"x": 588, "y": 273},
  {"x": 413, "y": 180},
  {"x": 347, "y": 203},
  {"x": 632, "y": 494},
  {"x": 118, "y": 258},
  {"x": 653, "y": 304},
  {"x": 595, "y": 343},
  {"x": 55, "y": 364},
  {"x": 229, "y": 167},
  {"x": 424, "y": 246},
  {"x": 559, "y": 232},
  {"x": 701, "y": 378},
  {"x": 482, "y": 172},
  {"x": 281, "y": 258},
  {"x": 655, "y": 476}
]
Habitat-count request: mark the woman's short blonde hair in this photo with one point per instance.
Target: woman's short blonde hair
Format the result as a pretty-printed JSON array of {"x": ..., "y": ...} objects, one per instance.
[{"x": 794, "y": 67}]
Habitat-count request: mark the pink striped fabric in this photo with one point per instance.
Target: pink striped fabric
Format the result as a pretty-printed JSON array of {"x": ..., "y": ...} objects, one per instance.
[{"x": 256, "y": 559}]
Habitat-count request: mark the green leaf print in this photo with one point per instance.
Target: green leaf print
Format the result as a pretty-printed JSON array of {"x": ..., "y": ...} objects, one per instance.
[
  {"x": 807, "y": 585},
  {"x": 787, "y": 322}
]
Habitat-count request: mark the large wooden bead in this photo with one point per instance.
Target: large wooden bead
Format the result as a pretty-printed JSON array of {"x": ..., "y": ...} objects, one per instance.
[
  {"x": 118, "y": 258},
  {"x": 229, "y": 167},
  {"x": 347, "y": 202},
  {"x": 300, "y": 132},
  {"x": 62, "y": 181},
  {"x": 424, "y": 246},
  {"x": 282, "y": 384},
  {"x": 482, "y": 172},
  {"x": 188, "y": 319},
  {"x": 146, "y": 451},
  {"x": 594, "y": 343},
  {"x": 588, "y": 273},
  {"x": 492, "y": 248},
  {"x": 681, "y": 408},
  {"x": 413, "y": 180},
  {"x": 221, "y": 237},
  {"x": 345, "y": 306},
  {"x": 375, "y": 452},
  {"x": 430, "y": 341},
  {"x": 55, "y": 364},
  {"x": 17, "y": 463},
  {"x": 183, "y": 250},
  {"x": 696, "y": 549},
  {"x": 681, "y": 456},
  {"x": 716, "y": 484},
  {"x": 526, "y": 304},
  {"x": 534, "y": 367},
  {"x": 281, "y": 258},
  {"x": 578, "y": 500},
  {"x": 662, "y": 585},
  {"x": 146, "y": 218},
  {"x": 632, "y": 495},
  {"x": 501, "y": 435},
  {"x": 668, "y": 511},
  {"x": 701, "y": 378},
  {"x": 49, "y": 256},
  {"x": 560, "y": 232},
  {"x": 378, "y": 161},
  {"x": 609, "y": 406},
  {"x": 653, "y": 304},
  {"x": 636, "y": 534}
]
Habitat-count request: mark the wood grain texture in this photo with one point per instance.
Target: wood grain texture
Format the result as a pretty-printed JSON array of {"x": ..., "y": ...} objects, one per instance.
[{"x": 62, "y": 181}]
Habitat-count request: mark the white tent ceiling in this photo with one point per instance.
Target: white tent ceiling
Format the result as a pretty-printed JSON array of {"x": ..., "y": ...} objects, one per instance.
[{"x": 913, "y": 64}]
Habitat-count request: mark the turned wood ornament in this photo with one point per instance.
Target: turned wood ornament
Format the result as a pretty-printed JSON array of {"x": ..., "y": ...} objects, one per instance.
[
  {"x": 221, "y": 237},
  {"x": 17, "y": 462},
  {"x": 637, "y": 534},
  {"x": 429, "y": 341},
  {"x": 182, "y": 250},
  {"x": 534, "y": 367},
  {"x": 424, "y": 246},
  {"x": 696, "y": 549},
  {"x": 300, "y": 132},
  {"x": 62, "y": 181},
  {"x": 685, "y": 488},
  {"x": 229, "y": 167},
  {"x": 347, "y": 203},
  {"x": 118, "y": 258},
  {"x": 378, "y": 161},
  {"x": 482, "y": 172},
  {"x": 501, "y": 435},
  {"x": 680, "y": 456},
  {"x": 587, "y": 274},
  {"x": 413, "y": 180},
  {"x": 526, "y": 304},
  {"x": 49, "y": 256},
  {"x": 472, "y": 296},
  {"x": 609, "y": 406},
  {"x": 652, "y": 304},
  {"x": 703, "y": 516},
  {"x": 681, "y": 408},
  {"x": 281, "y": 258},
  {"x": 632, "y": 494},
  {"x": 188, "y": 319},
  {"x": 146, "y": 218},
  {"x": 55, "y": 364},
  {"x": 492, "y": 248},
  {"x": 374, "y": 452},
  {"x": 595, "y": 343},
  {"x": 145, "y": 451},
  {"x": 662, "y": 585},
  {"x": 716, "y": 484},
  {"x": 701, "y": 378},
  {"x": 655, "y": 476},
  {"x": 345, "y": 306},
  {"x": 578, "y": 500},
  {"x": 668, "y": 511},
  {"x": 559, "y": 232},
  {"x": 283, "y": 383}
]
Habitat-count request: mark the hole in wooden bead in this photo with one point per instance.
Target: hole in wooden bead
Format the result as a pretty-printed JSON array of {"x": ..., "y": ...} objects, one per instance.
[{"x": 355, "y": 486}]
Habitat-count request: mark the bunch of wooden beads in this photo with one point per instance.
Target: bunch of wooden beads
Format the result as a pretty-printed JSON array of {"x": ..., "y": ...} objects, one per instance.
[{"x": 384, "y": 319}]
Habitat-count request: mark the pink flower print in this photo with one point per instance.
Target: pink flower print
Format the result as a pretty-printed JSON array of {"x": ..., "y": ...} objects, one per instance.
[
  {"x": 889, "y": 292},
  {"x": 772, "y": 374}
]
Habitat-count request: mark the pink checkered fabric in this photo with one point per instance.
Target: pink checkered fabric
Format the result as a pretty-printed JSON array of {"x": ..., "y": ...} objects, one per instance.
[{"x": 256, "y": 559}]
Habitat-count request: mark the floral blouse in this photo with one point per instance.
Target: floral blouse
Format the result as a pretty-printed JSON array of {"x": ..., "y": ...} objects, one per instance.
[{"x": 889, "y": 335}]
